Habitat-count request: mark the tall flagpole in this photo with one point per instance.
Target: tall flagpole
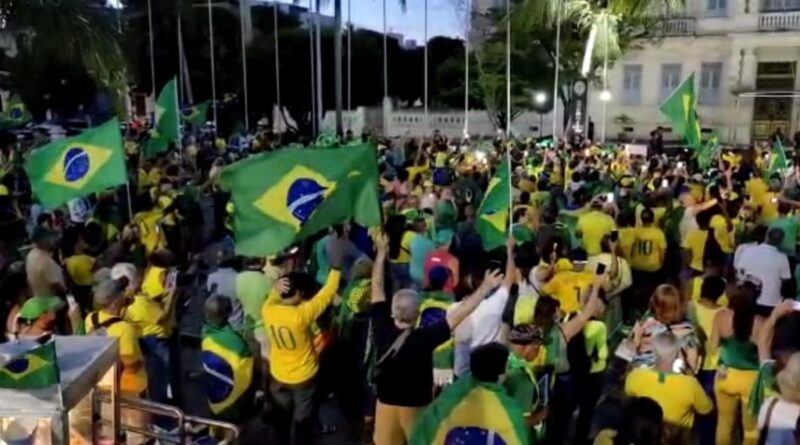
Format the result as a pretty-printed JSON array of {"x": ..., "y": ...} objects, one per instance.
[
  {"x": 508, "y": 73},
  {"x": 180, "y": 62},
  {"x": 313, "y": 72},
  {"x": 427, "y": 122},
  {"x": 466, "y": 67},
  {"x": 213, "y": 65},
  {"x": 385, "y": 56},
  {"x": 605, "y": 88},
  {"x": 242, "y": 5},
  {"x": 152, "y": 46},
  {"x": 349, "y": 68},
  {"x": 558, "y": 57},
  {"x": 318, "y": 56},
  {"x": 277, "y": 60}
]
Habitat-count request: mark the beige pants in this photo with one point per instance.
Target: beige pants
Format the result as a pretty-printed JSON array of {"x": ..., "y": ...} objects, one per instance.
[{"x": 393, "y": 423}]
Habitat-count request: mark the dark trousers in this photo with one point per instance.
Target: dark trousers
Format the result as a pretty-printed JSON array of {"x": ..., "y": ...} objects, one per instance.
[
  {"x": 589, "y": 393},
  {"x": 706, "y": 425},
  {"x": 296, "y": 403},
  {"x": 562, "y": 404}
]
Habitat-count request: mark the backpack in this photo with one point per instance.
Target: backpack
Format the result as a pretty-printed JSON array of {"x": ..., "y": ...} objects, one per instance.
[{"x": 101, "y": 329}]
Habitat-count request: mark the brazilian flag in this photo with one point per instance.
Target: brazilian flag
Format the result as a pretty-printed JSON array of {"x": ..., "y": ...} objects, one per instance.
[
  {"x": 493, "y": 214},
  {"x": 228, "y": 366},
  {"x": 195, "y": 115},
  {"x": 777, "y": 161},
  {"x": 35, "y": 369},
  {"x": 471, "y": 412},
  {"x": 284, "y": 196},
  {"x": 16, "y": 113},
  {"x": 78, "y": 166},
  {"x": 166, "y": 127}
]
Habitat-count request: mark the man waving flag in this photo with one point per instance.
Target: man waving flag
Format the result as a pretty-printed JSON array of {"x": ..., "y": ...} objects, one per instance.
[
  {"x": 78, "y": 166},
  {"x": 166, "y": 127}
]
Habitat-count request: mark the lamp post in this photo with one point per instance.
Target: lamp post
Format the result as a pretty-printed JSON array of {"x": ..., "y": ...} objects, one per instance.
[
  {"x": 605, "y": 97},
  {"x": 540, "y": 98}
]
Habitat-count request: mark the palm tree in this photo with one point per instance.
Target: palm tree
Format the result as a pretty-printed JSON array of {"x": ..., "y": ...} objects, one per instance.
[
  {"x": 609, "y": 20},
  {"x": 82, "y": 32}
]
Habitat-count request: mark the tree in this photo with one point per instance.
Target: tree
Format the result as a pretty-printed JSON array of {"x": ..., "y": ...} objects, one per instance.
[{"x": 77, "y": 36}]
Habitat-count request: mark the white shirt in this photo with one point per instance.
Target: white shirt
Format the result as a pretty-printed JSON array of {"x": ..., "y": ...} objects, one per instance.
[
  {"x": 782, "y": 421},
  {"x": 770, "y": 266},
  {"x": 481, "y": 327}
]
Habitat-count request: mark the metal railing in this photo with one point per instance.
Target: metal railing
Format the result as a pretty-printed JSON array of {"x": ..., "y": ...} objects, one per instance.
[
  {"x": 676, "y": 26},
  {"x": 779, "y": 21},
  {"x": 162, "y": 410}
]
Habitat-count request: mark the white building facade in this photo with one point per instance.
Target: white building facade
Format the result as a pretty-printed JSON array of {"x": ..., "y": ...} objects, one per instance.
[{"x": 744, "y": 55}]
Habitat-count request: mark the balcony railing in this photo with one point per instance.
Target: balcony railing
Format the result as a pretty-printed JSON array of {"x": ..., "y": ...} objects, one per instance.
[
  {"x": 779, "y": 21},
  {"x": 676, "y": 26}
]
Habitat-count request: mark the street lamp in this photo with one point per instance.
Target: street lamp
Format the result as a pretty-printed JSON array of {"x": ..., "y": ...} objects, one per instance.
[
  {"x": 605, "y": 95},
  {"x": 540, "y": 98}
]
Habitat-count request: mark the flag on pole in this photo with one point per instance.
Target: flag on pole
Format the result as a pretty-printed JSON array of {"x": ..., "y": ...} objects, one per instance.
[
  {"x": 285, "y": 196},
  {"x": 706, "y": 155},
  {"x": 78, "y": 166},
  {"x": 469, "y": 411},
  {"x": 680, "y": 109},
  {"x": 494, "y": 212},
  {"x": 777, "y": 161},
  {"x": 196, "y": 114},
  {"x": 166, "y": 127},
  {"x": 16, "y": 113},
  {"x": 34, "y": 369}
]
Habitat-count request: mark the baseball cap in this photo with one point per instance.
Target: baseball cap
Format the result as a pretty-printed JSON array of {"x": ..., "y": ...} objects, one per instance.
[{"x": 37, "y": 306}]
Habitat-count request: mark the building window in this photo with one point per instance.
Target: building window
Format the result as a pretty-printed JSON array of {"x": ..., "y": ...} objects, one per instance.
[
  {"x": 717, "y": 8},
  {"x": 710, "y": 81},
  {"x": 632, "y": 84},
  {"x": 670, "y": 78}
]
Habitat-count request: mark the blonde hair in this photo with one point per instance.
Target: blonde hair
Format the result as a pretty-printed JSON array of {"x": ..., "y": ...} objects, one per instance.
[
  {"x": 667, "y": 305},
  {"x": 788, "y": 379}
]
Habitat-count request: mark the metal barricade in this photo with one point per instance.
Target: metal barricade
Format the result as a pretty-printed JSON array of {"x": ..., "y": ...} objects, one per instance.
[{"x": 231, "y": 431}]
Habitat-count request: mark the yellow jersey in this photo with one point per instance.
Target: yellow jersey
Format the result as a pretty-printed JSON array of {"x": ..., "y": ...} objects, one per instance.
[
  {"x": 404, "y": 256},
  {"x": 724, "y": 237},
  {"x": 695, "y": 242},
  {"x": 769, "y": 207},
  {"x": 133, "y": 379},
  {"x": 627, "y": 236},
  {"x": 658, "y": 215},
  {"x": 292, "y": 356},
  {"x": 79, "y": 267},
  {"x": 649, "y": 249},
  {"x": 593, "y": 226},
  {"x": 149, "y": 231},
  {"x": 568, "y": 287},
  {"x": 148, "y": 316},
  {"x": 705, "y": 322},
  {"x": 680, "y": 396}
]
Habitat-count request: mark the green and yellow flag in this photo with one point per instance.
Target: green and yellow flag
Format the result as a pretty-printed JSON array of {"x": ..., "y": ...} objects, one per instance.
[
  {"x": 494, "y": 212},
  {"x": 777, "y": 159},
  {"x": 196, "y": 114},
  {"x": 166, "y": 127},
  {"x": 706, "y": 155},
  {"x": 78, "y": 166},
  {"x": 35, "y": 369},
  {"x": 680, "y": 108},
  {"x": 471, "y": 412},
  {"x": 16, "y": 113},
  {"x": 228, "y": 366},
  {"x": 284, "y": 196}
]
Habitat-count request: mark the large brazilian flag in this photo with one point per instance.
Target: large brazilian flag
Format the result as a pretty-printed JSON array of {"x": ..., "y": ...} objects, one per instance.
[
  {"x": 34, "y": 369},
  {"x": 228, "y": 366},
  {"x": 470, "y": 412},
  {"x": 284, "y": 196},
  {"x": 493, "y": 214},
  {"x": 78, "y": 166}
]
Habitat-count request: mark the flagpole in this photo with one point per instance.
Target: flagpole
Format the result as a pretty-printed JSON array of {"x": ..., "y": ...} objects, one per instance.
[
  {"x": 466, "y": 68},
  {"x": 385, "y": 59},
  {"x": 152, "y": 46},
  {"x": 318, "y": 56},
  {"x": 508, "y": 112},
  {"x": 213, "y": 65},
  {"x": 180, "y": 63},
  {"x": 556, "y": 68},
  {"x": 277, "y": 60},
  {"x": 427, "y": 122},
  {"x": 242, "y": 5},
  {"x": 313, "y": 71},
  {"x": 349, "y": 68}
]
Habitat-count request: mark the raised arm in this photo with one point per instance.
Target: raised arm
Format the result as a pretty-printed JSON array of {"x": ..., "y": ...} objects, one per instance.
[
  {"x": 593, "y": 307},
  {"x": 381, "y": 247},
  {"x": 491, "y": 280},
  {"x": 310, "y": 310}
]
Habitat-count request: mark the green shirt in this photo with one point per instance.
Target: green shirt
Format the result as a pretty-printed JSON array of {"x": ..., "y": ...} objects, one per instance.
[{"x": 252, "y": 289}]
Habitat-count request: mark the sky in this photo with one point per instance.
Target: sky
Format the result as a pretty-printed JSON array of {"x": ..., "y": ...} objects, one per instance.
[{"x": 443, "y": 16}]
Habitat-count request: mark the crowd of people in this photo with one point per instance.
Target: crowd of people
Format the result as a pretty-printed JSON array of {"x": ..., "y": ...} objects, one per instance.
[{"x": 637, "y": 300}]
